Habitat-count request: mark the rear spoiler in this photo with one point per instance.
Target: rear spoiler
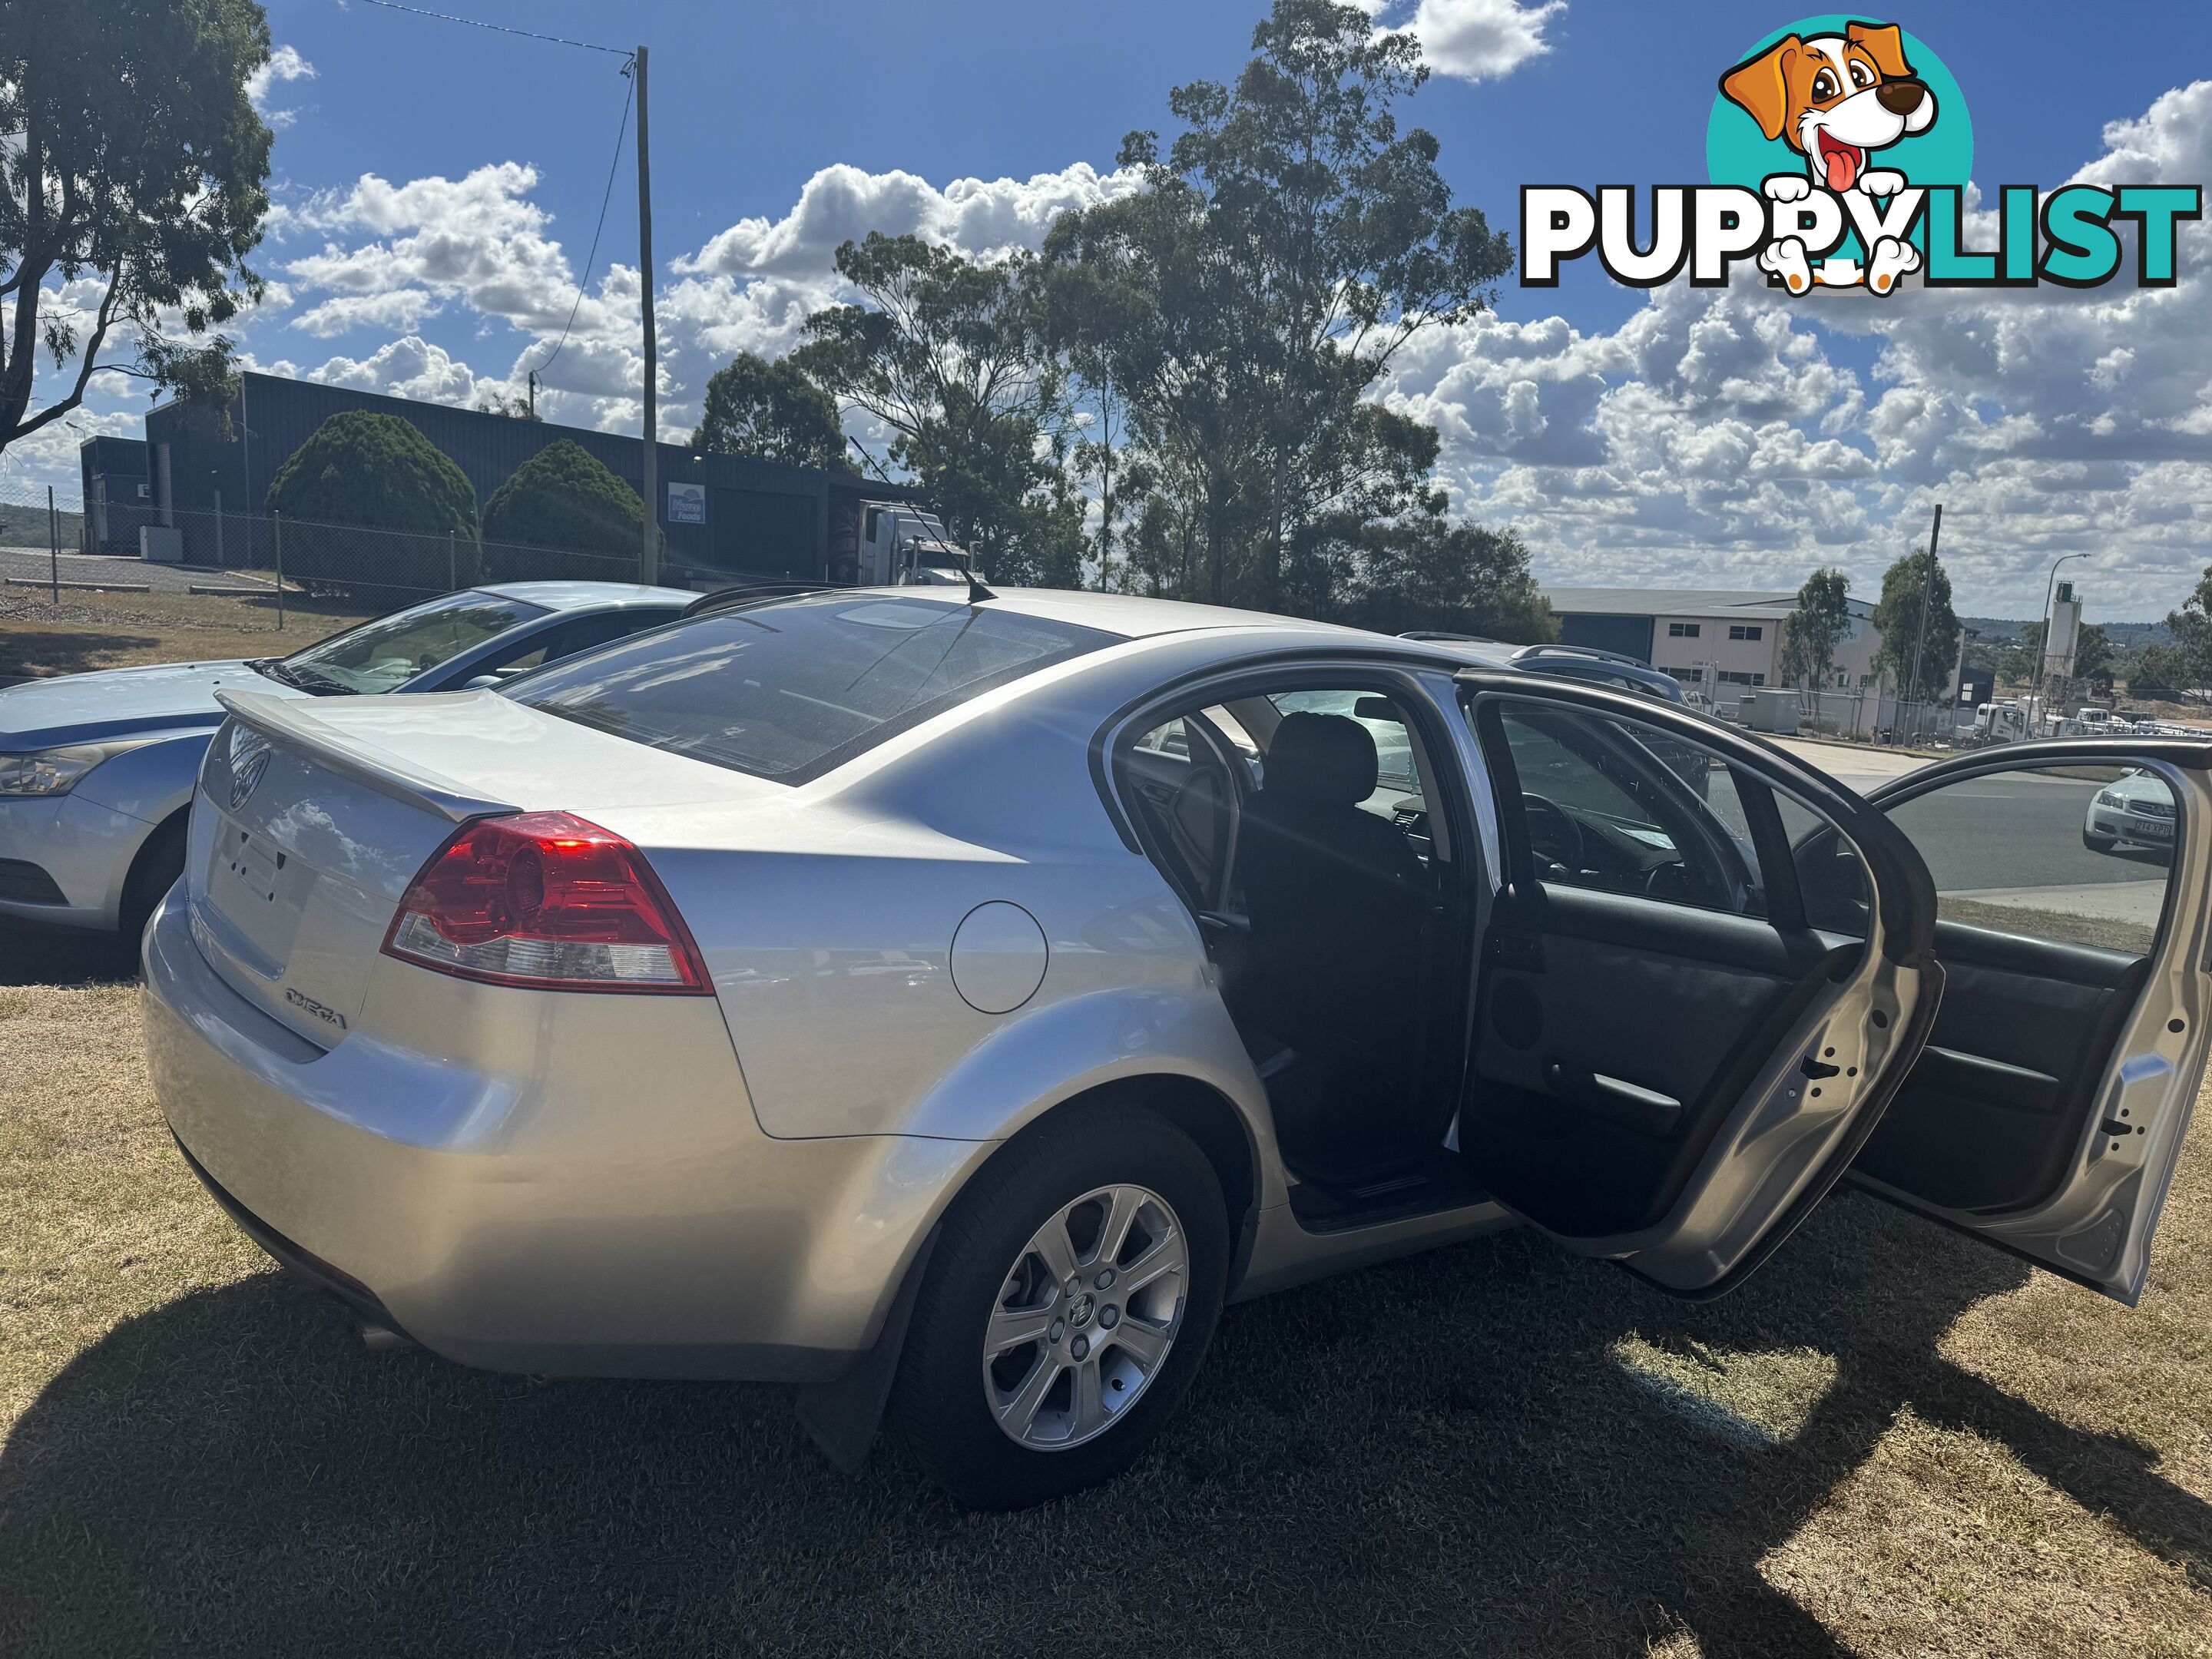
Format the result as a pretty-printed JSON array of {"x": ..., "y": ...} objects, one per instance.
[{"x": 291, "y": 722}]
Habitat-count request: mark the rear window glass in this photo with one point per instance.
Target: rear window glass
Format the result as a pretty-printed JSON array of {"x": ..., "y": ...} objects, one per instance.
[{"x": 790, "y": 689}]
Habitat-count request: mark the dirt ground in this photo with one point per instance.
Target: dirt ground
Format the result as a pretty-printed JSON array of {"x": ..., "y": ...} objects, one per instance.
[{"x": 1892, "y": 1441}]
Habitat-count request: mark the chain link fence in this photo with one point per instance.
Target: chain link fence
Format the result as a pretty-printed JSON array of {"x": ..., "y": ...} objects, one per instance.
[{"x": 134, "y": 547}]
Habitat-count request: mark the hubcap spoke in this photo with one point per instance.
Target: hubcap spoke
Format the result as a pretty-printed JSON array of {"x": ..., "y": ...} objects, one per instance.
[
  {"x": 1017, "y": 1414},
  {"x": 1163, "y": 1255},
  {"x": 1146, "y": 1344},
  {"x": 1012, "y": 1326},
  {"x": 1051, "y": 1245},
  {"x": 1120, "y": 1215},
  {"x": 1090, "y": 1401},
  {"x": 1100, "y": 1331}
]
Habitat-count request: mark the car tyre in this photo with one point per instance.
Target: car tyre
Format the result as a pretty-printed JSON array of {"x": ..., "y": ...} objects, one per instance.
[
  {"x": 2097, "y": 843},
  {"x": 941, "y": 1409},
  {"x": 160, "y": 862}
]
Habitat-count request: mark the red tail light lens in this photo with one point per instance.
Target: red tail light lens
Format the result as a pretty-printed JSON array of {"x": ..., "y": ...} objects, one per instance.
[{"x": 545, "y": 899}]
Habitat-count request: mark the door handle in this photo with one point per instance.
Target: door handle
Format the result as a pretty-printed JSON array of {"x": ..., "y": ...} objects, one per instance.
[{"x": 1615, "y": 1099}]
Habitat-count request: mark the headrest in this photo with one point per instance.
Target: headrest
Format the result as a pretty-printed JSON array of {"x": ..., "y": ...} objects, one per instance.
[{"x": 1321, "y": 757}]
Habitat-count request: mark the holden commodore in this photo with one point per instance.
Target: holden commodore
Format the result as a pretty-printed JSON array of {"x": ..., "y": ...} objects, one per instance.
[
  {"x": 946, "y": 1006},
  {"x": 96, "y": 770}
]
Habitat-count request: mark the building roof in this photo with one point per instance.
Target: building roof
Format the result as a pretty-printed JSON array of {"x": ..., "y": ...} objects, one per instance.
[{"x": 1679, "y": 602}]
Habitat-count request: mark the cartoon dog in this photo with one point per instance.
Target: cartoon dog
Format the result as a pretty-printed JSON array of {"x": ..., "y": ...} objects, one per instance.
[{"x": 1835, "y": 99}]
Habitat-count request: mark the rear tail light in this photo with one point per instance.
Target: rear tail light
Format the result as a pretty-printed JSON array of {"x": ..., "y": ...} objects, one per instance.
[{"x": 545, "y": 899}]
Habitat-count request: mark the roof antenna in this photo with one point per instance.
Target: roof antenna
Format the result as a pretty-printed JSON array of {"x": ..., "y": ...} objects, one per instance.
[{"x": 977, "y": 592}]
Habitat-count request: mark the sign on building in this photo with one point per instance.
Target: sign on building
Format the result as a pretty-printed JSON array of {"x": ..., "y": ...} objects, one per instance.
[{"x": 687, "y": 504}]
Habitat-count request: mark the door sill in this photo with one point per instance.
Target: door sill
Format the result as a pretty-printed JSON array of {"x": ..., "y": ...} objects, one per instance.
[{"x": 1435, "y": 1182}]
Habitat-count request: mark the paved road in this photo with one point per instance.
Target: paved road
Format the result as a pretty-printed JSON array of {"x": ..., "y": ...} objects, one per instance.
[
  {"x": 33, "y": 564},
  {"x": 2015, "y": 830}
]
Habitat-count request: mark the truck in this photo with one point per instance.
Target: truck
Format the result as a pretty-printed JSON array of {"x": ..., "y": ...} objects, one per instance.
[{"x": 897, "y": 545}]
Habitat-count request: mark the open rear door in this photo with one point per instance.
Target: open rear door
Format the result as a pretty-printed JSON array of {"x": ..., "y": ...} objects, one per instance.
[
  {"x": 1670, "y": 1064},
  {"x": 2073, "y": 883}
]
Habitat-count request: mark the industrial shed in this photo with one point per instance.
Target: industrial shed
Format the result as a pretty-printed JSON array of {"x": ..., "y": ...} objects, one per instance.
[{"x": 761, "y": 518}]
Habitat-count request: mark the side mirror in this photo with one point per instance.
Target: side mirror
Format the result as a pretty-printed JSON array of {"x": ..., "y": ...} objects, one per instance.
[{"x": 485, "y": 682}]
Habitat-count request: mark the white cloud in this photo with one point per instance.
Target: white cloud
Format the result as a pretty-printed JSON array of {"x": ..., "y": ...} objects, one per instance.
[
  {"x": 1479, "y": 40},
  {"x": 407, "y": 367},
  {"x": 1716, "y": 437},
  {"x": 981, "y": 216},
  {"x": 284, "y": 63}
]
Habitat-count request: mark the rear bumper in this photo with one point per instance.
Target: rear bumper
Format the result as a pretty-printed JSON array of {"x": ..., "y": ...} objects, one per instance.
[
  {"x": 562, "y": 1184},
  {"x": 332, "y": 1281},
  {"x": 83, "y": 850}
]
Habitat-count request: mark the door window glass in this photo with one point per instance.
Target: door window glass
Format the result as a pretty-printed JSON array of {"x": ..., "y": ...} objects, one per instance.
[
  {"x": 1624, "y": 808},
  {"x": 2072, "y": 855}
]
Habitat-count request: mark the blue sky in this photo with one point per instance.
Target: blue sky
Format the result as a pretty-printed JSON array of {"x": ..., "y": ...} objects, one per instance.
[{"x": 438, "y": 185}]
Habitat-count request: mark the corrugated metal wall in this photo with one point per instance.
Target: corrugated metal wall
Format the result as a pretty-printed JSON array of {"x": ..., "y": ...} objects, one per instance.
[
  {"x": 1629, "y": 635},
  {"x": 760, "y": 516}
]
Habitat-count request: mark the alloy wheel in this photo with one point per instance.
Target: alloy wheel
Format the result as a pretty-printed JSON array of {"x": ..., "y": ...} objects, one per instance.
[{"x": 1086, "y": 1318}]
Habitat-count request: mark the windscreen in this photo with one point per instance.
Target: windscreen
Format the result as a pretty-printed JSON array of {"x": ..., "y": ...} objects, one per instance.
[
  {"x": 385, "y": 654},
  {"x": 789, "y": 690}
]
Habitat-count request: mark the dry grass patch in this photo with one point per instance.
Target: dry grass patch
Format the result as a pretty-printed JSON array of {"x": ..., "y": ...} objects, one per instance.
[
  {"x": 117, "y": 630},
  {"x": 1942, "y": 1542},
  {"x": 108, "y": 1223},
  {"x": 1891, "y": 1442}
]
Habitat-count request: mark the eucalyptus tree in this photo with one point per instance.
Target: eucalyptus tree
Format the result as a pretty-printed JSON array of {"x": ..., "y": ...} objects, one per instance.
[
  {"x": 1288, "y": 243},
  {"x": 133, "y": 169}
]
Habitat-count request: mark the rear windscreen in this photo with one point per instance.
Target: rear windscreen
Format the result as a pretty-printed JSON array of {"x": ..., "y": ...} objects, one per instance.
[{"x": 791, "y": 688}]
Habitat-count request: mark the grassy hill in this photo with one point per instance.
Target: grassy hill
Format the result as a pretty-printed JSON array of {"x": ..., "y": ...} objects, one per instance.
[{"x": 26, "y": 527}]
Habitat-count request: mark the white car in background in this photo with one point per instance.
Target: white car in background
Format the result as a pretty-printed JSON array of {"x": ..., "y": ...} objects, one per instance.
[
  {"x": 2134, "y": 809},
  {"x": 96, "y": 770}
]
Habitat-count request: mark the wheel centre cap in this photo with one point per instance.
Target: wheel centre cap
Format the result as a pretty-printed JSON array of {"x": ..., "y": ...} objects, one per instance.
[{"x": 1079, "y": 1311}]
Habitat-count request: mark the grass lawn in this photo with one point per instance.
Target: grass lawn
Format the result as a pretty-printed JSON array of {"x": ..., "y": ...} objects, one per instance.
[
  {"x": 115, "y": 630},
  {"x": 1891, "y": 1442}
]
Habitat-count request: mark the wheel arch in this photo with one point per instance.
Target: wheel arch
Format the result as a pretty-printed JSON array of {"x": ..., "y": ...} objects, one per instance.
[{"x": 842, "y": 1416}]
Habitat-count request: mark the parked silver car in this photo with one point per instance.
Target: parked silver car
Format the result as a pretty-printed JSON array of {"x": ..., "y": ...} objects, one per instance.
[
  {"x": 946, "y": 1005},
  {"x": 96, "y": 769}
]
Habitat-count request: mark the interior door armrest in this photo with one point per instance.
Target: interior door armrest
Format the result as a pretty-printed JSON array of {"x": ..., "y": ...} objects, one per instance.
[{"x": 1629, "y": 1104}]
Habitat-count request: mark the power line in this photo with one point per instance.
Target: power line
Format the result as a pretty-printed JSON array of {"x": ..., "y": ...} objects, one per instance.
[
  {"x": 498, "y": 28},
  {"x": 621, "y": 131}
]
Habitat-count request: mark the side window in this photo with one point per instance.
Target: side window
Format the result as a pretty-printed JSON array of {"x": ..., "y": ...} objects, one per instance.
[
  {"x": 566, "y": 640},
  {"x": 2069, "y": 854},
  {"x": 1184, "y": 798},
  {"x": 1621, "y": 807}
]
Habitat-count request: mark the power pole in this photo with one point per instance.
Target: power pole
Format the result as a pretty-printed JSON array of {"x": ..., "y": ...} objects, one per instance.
[
  {"x": 1926, "y": 598},
  {"x": 533, "y": 394},
  {"x": 649, "y": 558}
]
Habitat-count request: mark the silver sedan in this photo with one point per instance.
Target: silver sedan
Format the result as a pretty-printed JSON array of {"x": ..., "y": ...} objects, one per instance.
[{"x": 946, "y": 1005}]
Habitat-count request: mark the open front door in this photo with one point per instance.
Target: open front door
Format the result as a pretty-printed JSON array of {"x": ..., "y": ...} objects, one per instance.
[
  {"x": 1670, "y": 1063},
  {"x": 2074, "y": 885}
]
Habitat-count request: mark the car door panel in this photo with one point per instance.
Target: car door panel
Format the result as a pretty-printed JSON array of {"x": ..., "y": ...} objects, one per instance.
[
  {"x": 1673, "y": 1077},
  {"x": 1693, "y": 1004},
  {"x": 2047, "y": 1113}
]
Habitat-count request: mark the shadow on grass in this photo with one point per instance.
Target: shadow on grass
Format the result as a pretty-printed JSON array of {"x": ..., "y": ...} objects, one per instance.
[
  {"x": 32, "y": 953},
  {"x": 1435, "y": 1456},
  {"x": 32, "y": 653}
]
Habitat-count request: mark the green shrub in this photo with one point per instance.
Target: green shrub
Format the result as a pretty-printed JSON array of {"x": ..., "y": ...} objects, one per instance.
[
  {"x": 563, "y": 516},
  {"x": 375, "y": 472}
]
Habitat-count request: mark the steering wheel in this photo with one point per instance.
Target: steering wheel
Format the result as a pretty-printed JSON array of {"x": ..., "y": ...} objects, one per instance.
[{"x": 1554, "y": 838}]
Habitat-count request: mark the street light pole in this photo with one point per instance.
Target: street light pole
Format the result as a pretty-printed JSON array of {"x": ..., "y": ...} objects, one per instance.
[
  {"x": 2043, "y": 646},
  {"x": 649, "y": 557}
]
